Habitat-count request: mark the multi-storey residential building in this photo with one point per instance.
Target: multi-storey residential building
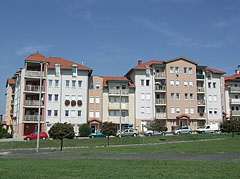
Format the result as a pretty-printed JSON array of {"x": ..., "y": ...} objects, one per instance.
[
  {"x": 95, "y": 93},
  {"x": 118, "y": 101},
  {"x": 232, "y": 96},
  {"x": 8, "y": 117},
  {"x": 174, "y": 92},
  {"x": 58, "y": 87}
]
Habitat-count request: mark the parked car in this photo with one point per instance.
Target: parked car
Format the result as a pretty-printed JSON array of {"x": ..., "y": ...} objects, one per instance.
[
  {"x": 210, "y": 128},
  {"x": 182, "y": 130},
  {"x": 128, "y": 132},
  {"x": 153, "y": 133},
  {"x": 33, "y": 136},
  {"x": 97, "y": 134}
]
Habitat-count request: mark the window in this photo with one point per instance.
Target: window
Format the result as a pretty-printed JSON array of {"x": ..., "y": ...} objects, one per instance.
[
  {"x": 56, "y": 83},
  {"x": 97, "y": 100},
  {"x": 111, "y": 114},
  {"x": 67, "y": 83},
  {"x": 55, "y": 112},
  {"x": 158, "y": 110},
  {"x": 214, "y": 85},
  {"x": 191, "y": 83},
  {"x": 57, "y": 69},
  {"x": 74, "y": 70},
  {"x": 172, "y": 83},
  {"x": 79, "y": 83},
  {"x": 172, "y": 96},
  {"x": 172, "y": 110},
  {"x": 97, "y": 86},
  {"x": 177, "y": 96},
  {"x": 190, "y": 70},
  {"x": 177, "y": 83},
  {"x": 191, "y": 96},
  {"x": 49, "y": 97},
  {"x": 66, "y": 113},
  {"x": 49, "y": 112},
  {"x": 192, "y": 110},
  {"x": 142, "y": 109},
  {"x": 56, "y": 97},
  {"x": 50, "y": 83},
  {"x": 91, "y": 86},
  {"x": 209, "y": 84},
  {"x": 91, "y": 100},
  {"x": 215, "y": 98},
  {"x": 142, "y": 96},
  {"x": 177, "y": 109},
  {"x": 73, "y": 113},
  {"x": 171, "y": 69},
  {"x": 186, "y": 110},
  {"x": 73, "y": 83},
  {"x": 185, "y": 83},
  {"x": 177, "y": 70},
  {"x": 185, "y": 70},
  {"x": 148, "y": 110},
  {"x": 186, "y": 96},
  {"x": 142, "y": 82},
  {"x": 210, "y": 110},
  {"x": 79, "y": 113},
  {"x": 148, "y": 96},
  {"x": 215, "y": 110},
  {"x": 147, "y": 82},
  {"x": 210, "y": 98},
  {"x": 97, "y": 114}
]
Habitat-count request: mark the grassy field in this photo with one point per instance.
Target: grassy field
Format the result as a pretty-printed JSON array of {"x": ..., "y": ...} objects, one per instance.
[
  {"x": 108, "y": 168},
  {"x": 103, "y": 141}
]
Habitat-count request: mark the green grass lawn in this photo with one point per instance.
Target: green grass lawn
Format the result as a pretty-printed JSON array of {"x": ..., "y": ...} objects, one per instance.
[
  {"x": 103, "y": 141},
  {"x": 110, "y": 168}
]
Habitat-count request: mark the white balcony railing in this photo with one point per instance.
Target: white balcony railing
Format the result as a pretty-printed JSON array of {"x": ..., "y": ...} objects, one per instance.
[
  {"x": 160, "y": 75},
  {"x": 117, "y": 91},
  {"x": 31, "y": 118},
  {"x": 235, "y": 113},
  {"x": 31, "y": 103},
  {"x": 160, "y": 88},
  {"x": 160, "y": 101},
  {"x": 34, "y": 88},
  {"x": 201, "y": 102},
  {"x": 116, "y": 119},
  {"x": 235, "y": 101},
  {"x": 161, "y": 115},
  {"x": 117, "y": 105},
  {"x": 33, "y": 73},
  {"x": 235, "y": 89}
]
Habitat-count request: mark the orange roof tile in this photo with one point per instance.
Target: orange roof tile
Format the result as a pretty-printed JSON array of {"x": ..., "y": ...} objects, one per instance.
[
  {"x": 215, "y": 71},
  {"x": 107, "y": 78},
  {"x": 10, "y": 81},
  {"x": 235, "y": 76},
  {"x": 181, "y": 58}
]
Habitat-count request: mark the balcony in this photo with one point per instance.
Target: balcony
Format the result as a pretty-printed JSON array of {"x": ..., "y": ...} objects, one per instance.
[
  {"x": 201, "y": 102},
  {"x": 117, "y": 91},
  {"x": 161, "y": 101},
  {"x": 159, "y": 88},
  {"x": 200, "y": 77},
  {"x": 31, "y": 118},
  {"x": 235, "y": 89},
  {"x": 200, "y": 89},
  {"x": 161, "y": 115},
  {"x": 33, "y": 88},
  {"x": 117, "y": 106},
  {"x": 235, "y": 113},
  {"x": 31, "y": 103},
  {"x": 33, "y": 73},
  {"x": 235, "y": 101},
  {"x": 160, "y": 75},
  {"x": 116, "y": 119},
  {"x": 202, "y": 115}
]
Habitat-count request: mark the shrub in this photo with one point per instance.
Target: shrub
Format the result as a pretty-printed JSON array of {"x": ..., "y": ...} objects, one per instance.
[
  {"x": 84, "y": 130},
  {"x": 4, "y": 133}
]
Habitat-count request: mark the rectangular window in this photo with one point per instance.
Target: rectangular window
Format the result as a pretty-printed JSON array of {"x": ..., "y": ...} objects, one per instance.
[
  {"x": 97, "y": 100},
  {"x": 171, "y": 69},
  {"x": 49, "y": 112},
  {"x": 172, "y": 110},
  {"x": 210, "y": 98},
  {"x": 185, "y": 83},
  {"x": 185, "y": 70},
  {"x": 56, "y": 83},
  {"x": 66, "y": 113},
  {"x": 186, "y": 110},
  {"x": 142, "y": 96},
  {"x": 97, "y": 86},
  {"x": 148, "y": 110},
  {"x": 215, "y": 98},
  {"x": 55, "y": 112},
  {"x": 73, "y": 83},
  {"x": 142, "y": 109},
  {"x": 214, "y": 85},
  {"x": 215, "y": 111},
  {"x": 209, "y": 84},
  {"x": 67, "y": 83},
  {"x": 91, "y": 86},
  {"x": 190, "y": 83},
  {"x": 210, "y": 110},
  {"x": 186, "y": 96},
  {"x": 148, "y": 96},
  {"x": 50, "y": 83},
  {"x": 74, "y": 71},
  {"x": 142, "y": 82},
  {"x": 177, "y": 70},
  {"x": 91, "y": 114},
  {"x": 56, "y": 97},
  {"x": 49, "y": 97},
  {"x": 191, "y": 96},
  {"x": 79, "y": 83},
  {"x": 177, "y": 109},
  {"x": 147, "y": 82},
  {"x": 172, "y": 83},
  {"x": 57, "y": 69},
  {"x": 91, "y": 100},
  {"x": 192, "y": 110},
  {"x": 73, "y": 113},
  {"x": 97, "y": 114},
  {"x": 177, "y": 82},
  {"x": 172, "y": 96},
  {"x": 190, "y": 70},
  {"x": 79, "y": 113},
  {"x": 177, "y": 96}
]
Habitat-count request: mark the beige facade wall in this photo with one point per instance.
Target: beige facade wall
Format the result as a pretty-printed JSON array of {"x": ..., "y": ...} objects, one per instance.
[{"x": 9, "y": 106}]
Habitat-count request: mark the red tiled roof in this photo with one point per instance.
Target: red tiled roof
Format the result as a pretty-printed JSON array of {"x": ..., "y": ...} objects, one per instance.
[
  {"x": 215, "y": 71},
  {"x": 149, "y": 63},
  {"x": 56, "y": 60},
  {"x": 10, "y": 81},
  {"x": 235, "y": 76},
  {"x": 181, "y": 58},
  {"x": 107, "y": 78}
]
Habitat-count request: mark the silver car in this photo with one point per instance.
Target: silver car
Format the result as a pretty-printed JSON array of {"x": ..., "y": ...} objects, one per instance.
[
  {"x": 182, "y": 130},
  {"x": 128, "y": 132}
]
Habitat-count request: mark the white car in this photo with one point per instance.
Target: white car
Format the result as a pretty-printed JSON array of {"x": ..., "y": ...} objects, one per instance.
[{"x": 153, "y": 133}]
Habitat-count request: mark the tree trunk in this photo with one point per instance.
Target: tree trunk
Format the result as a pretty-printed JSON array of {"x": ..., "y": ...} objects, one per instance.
[
  {"x": 232, "y": 133},
  {"x": 61, "y": 144},
  {"x": 108, "y": 141}
]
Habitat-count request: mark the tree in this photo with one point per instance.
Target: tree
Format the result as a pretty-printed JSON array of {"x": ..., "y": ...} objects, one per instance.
[
  {"x": 61, "y": 131},
  {"x": 84, "y": 130},
  {"x": 108, "y": 129},
  {"x": 231, "y": 126},
  {"x": 4, "y": 133},
  {"x": 155, "y": 125}
]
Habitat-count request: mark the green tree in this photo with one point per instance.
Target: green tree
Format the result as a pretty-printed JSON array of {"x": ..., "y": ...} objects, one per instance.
[
  {"x": 61, "y": 131},
  {"x": 155, "y": 125},
  {"x": 109, "y": 129},
  {"x": 231, "y": 126},
  {"x": 4, "y": 133},
  {"x": 84, "y": 130}
]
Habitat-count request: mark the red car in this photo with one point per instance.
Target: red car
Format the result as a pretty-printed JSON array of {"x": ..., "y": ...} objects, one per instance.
[{"x": 33, "y": 136}]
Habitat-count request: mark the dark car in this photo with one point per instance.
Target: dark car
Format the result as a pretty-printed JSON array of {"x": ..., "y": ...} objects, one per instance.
[
  {"x": 97, "y": 134},
  {"x": 33, "y": 136}
]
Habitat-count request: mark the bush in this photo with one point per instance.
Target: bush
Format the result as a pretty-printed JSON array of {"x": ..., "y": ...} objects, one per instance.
[
  {"x": 4, "y": 133},
  {"x": 84, "y": 130}
]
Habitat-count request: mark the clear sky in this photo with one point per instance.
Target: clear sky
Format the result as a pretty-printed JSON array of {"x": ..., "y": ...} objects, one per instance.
[{"x": 111, "y": 35}]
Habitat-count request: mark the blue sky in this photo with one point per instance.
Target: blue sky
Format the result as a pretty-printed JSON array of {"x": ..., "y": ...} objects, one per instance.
[{"x": 111, "y": 35}]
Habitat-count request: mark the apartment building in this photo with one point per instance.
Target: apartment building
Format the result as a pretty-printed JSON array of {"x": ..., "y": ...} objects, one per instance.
[
  {"x": 95, "y": 93},
  {"x": 175, "y": 93},
  {"x": 58, "y": 87},
  {"x": 118, "y": 101},
  {"x": 232, "y": 96}
]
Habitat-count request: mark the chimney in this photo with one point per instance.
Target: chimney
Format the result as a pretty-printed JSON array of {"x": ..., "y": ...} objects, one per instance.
[
  {"x": 139, "y": 62},
  {"x": 237, "y": 72}
]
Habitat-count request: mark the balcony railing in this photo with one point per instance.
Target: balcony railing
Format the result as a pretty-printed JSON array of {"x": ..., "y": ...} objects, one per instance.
[
  {"x": 161, "y": 115},
  {"x": 235, "y": 101},
  {"x": 117, "y": 91},
  {"x": 200, "y": 89},
  {"x": 200, "y": 76},
  {"x": 33, "y": 73},
  {"x": 160, "y": 101},
  {"x": 202, "y": 115},
  {"x": 116, "y": 119},
  {"x": 34, "y": 88},
  {"x": 235, "y": 113},
  {"x": 117, "y": 105},
  {"x": 31, "y": 103},
  {"x": 201, "y": 102},
  {"x": 31, "y": 118},
  {"x": 160, "y": 88},
  {"x": 235, "y": 89},
  {"x": 160, "y": 75}
]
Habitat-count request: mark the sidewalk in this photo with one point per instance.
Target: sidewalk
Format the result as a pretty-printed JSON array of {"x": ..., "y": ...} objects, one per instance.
[{"x": 19, "y": 138}]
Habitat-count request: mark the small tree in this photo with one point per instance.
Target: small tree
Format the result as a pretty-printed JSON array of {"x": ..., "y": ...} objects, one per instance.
[
  {"x": 231, "y": 126},
  {"x": 108, "y": 129},
  {"x": 61, "y": 131},
  {"x": 84, "y": 130},
  {"x": 4, "y": 133},
  {"x": 155, "y": 125}
]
